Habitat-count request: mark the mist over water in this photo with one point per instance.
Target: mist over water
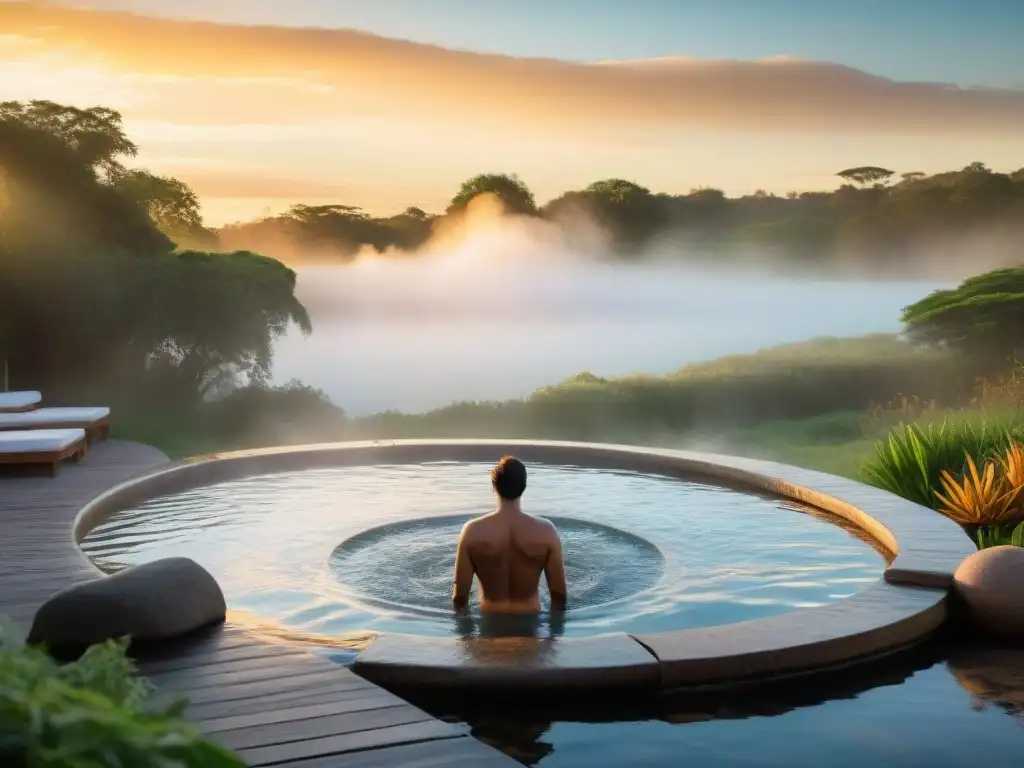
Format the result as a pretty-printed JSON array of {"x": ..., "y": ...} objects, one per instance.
[{"x": 507, "y": 305}]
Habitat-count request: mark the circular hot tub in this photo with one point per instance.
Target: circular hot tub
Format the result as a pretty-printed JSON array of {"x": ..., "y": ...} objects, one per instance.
[{"x": 682, "y": 569}]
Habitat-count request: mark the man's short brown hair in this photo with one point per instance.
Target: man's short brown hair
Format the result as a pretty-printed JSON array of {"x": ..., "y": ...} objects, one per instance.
[{"x": 509, "y": 478}]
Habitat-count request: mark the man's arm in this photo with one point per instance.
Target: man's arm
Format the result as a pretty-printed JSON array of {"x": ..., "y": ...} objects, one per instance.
[
  {"x": 463, "y": 581},
  {"x": 554, "y": 571}
]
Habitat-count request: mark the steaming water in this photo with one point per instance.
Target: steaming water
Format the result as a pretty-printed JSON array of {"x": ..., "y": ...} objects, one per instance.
[
  {"x": 336, "y": 551},
  {"x": 416, "y": 334}
]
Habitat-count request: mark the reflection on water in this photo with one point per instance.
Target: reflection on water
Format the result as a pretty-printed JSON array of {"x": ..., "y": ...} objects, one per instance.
[
  {"x": 993, "y": 676},
  {"x": 333, "y": 551},
  {"x": 952, "y": 702},
  {"x": 547, "y": 625}
]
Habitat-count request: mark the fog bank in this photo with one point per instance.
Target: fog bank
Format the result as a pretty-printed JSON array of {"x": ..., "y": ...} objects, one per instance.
[{"x": 500, "y": 306}]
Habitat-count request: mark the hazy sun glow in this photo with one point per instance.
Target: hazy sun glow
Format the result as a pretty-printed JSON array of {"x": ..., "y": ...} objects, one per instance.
[{"x": 257, "y": 118}]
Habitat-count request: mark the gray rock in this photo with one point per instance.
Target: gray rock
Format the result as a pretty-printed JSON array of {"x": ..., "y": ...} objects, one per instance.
[
  {"x": 989, "y": 582},
  {"x": 155, "y": 601}
]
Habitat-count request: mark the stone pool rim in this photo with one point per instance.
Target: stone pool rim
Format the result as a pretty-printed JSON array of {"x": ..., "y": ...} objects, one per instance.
[{"x": 902, "y": 608}]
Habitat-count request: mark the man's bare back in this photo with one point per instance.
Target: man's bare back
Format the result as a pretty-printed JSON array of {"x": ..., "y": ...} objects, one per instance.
[{"x": 508, "y": 550}]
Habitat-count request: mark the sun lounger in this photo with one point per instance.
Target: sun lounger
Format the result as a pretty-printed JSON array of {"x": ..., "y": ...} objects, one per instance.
[
  {"x": 44, "y": 447},
  {"x": 16, "y": 402},
  {"x": 95, "y": 421}
]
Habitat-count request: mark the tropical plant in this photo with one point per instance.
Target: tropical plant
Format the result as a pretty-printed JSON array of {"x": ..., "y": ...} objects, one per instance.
[
  {"x": 911, "y": 460},
  {"x": 985, "y": 498},
  {"x": 91, "y": 713}
]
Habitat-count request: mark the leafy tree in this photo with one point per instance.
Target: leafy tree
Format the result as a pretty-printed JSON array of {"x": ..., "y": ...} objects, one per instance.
[
  {"x": 510, "y": 189},
  {"x": 630, "y": 212},
  {"x": 95, "y": 134},
  {"x": 982, "y": 319},
  {"x": 94, "y": 297},
  {"x": 218, "y": 316},
  {"x": 169, "y": 203},
  {"x": 865, "y": 175},
  {"x": 55, "y": 195}
]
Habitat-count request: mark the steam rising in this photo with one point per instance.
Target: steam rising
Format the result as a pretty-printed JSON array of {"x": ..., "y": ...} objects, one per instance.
[{"x": 495, "y": 306}]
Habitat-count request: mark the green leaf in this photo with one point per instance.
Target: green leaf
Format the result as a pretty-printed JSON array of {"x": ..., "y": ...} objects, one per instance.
[{"x": 93, "y": 712}]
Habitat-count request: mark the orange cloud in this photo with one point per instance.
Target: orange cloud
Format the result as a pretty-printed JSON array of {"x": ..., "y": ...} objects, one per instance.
[{"x": 260, "y": 74}]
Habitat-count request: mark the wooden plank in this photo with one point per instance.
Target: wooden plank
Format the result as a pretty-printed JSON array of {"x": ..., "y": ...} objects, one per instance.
[
  {"x": 264, "y": 661},
  {"x": 216, "y": 677},
  {"x": 211, "y": 658},
  {"x": 323, "y": 694},
  {"x": 350, "y": 742},
  {"x": 375, "y": 699},
  {"x": 293, "y": 682},
  {"x": 448, "y": 753},
  {"x": 280, "y": 734}
]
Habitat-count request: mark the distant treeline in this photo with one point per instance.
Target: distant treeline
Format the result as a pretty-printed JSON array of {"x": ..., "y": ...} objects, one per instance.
[{"x": 971, "y": 215}]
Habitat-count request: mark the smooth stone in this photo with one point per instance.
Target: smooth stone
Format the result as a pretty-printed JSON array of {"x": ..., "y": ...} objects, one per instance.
[
  {"x": 509, "y": 664},
  {"x": 989, "y": 582},
  {"x": 150, "y": 603}
]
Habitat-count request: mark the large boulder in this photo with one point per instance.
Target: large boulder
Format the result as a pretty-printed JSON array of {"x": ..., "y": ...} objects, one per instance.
[
  {"x": 155, "y": 601},
  {"x": 991, "y": 584}
]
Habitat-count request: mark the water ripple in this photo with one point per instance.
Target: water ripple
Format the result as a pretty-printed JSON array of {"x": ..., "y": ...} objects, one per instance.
[{"x": 643, "y": 553}]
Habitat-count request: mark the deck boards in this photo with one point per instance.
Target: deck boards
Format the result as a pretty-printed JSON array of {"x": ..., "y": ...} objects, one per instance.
[{"x": 273, "y": 703}]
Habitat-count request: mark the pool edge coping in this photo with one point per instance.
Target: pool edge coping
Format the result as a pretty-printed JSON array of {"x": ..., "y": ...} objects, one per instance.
[{"x": 907, "y": 604}]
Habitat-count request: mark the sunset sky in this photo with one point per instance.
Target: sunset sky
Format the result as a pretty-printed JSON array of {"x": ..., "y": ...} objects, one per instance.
[{"x": 259, "y": 104}]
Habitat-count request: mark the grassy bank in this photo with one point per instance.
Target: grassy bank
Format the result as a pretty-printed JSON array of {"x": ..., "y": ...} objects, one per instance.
[{"x": 801, "y": 403}]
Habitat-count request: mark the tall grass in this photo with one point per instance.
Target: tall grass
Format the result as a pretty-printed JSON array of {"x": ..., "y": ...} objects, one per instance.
[{"x": 790, "y": 382}]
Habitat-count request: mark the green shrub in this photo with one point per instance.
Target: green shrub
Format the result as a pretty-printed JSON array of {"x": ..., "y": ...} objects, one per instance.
[
  {"x": 91, "y": 713},
  {"x": 998, "y": 536},
  {"x": 909, "y": 461}
]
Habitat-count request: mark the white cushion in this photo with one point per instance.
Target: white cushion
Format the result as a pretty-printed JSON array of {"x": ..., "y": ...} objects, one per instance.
[
  {"x": 18, "y": 400},
  {"x": 44, "y": 416},
  {"x": 39, "y": 440}
]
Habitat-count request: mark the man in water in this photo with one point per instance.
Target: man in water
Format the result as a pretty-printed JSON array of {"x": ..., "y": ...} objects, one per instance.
[{"x": 508, "y": 550}]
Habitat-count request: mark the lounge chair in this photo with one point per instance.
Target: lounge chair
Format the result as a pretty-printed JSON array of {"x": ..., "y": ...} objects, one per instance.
[
  {"x": 17, "y": 402},
  {"x": 45, "y": 447},
  {"x": 95, "y": 421}
]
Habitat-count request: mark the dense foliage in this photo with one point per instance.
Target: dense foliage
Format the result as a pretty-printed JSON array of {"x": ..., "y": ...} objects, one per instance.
[
  {"x": 91, "y": 713},
  {"x": 911, "y": 460},
  {"x": 867, "y": 221},
  {"x": 970, "y": 470},
  {"x": 981, "y": 320},
  {"x": 96, "y": 300}
]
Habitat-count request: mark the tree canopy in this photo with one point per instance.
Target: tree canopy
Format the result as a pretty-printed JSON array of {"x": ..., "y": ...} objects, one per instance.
[
  {"x": 893, "y": 227},
  {"x": 509, "y": 188},
  {"x": 94, "y": 297},
  {"x": 94, "y": 134},
  {"x": 982, "y": 319},
  {"x": 866, "y": 174}
]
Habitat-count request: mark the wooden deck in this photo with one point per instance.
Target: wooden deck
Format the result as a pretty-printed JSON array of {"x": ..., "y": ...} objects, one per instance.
[{"x": 270, "y": 701}]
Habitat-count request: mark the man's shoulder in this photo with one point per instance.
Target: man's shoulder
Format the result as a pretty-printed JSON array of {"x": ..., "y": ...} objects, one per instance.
[
  {"x": 543, "y": 525},
  {"x": 475, "y": 522}
]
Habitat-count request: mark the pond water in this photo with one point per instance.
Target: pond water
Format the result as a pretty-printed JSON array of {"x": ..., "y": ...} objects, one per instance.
[
  {"x": 950, "y": 703},
  {"x": 338, "y": 552}
]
